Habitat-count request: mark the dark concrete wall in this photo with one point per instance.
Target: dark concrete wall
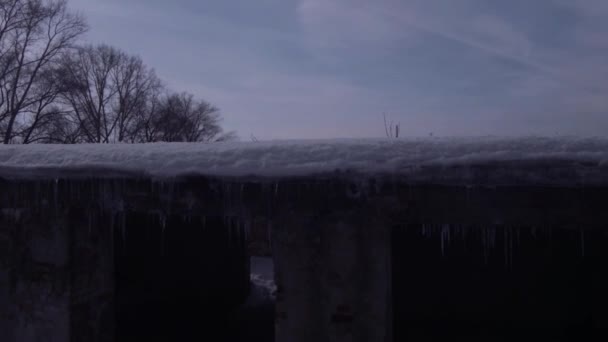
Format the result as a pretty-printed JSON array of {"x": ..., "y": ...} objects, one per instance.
[
  {"x": 333, "y": 277},
  {"x": 180, "y": 279},
  {"x": 331, "y": 240},
  {"x": 92, "y": 304},
  {"x": 66, "y": 270},
  {"x": 499, "y": 283},
  {"x": 34, "y": 276}
]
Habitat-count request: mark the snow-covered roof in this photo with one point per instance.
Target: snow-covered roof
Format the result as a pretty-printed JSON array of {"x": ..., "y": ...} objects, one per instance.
[{"x": 544, "y": 160}]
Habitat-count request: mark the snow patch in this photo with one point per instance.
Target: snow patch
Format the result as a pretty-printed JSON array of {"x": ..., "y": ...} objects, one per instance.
[{"x": 402, "y": 157}]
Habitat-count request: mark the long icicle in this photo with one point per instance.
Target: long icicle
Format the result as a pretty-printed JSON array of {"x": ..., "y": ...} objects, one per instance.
[{"x": 582, "y": 242}]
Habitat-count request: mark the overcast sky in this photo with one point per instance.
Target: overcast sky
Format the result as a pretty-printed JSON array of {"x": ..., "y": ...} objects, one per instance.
[{"x": 330, "y": 68}]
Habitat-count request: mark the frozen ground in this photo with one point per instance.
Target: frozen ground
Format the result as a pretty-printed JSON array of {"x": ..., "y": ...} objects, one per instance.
[{"x": 262, "y": 280}]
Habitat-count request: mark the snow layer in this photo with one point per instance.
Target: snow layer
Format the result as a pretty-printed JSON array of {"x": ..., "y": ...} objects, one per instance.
[{"x": 402, "y": 157}]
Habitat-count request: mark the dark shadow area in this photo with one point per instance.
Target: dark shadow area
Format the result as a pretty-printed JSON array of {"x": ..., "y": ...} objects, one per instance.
[
  {"x": 255, "y": 320},
  {"x": 499, "y": 284},
  {"x": 179, "y": 280}
]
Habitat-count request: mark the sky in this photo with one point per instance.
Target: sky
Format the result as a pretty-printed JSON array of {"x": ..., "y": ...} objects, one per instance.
[{"x": 294, "y": 69}]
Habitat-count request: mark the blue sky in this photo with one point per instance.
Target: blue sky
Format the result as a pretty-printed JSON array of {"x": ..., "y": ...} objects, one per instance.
[{"x": 330, "y": 68}]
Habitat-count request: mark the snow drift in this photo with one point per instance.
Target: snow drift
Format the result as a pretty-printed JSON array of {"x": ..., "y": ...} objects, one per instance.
[{"x": 444, "y": 160}]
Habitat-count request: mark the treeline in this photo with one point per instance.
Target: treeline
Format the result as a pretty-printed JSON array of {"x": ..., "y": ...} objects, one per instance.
[{"x": 55, "y": 91}]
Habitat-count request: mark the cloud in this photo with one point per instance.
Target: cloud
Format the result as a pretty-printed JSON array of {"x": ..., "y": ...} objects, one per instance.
[
  {"x": 345, "y": 24},
  {"x": 364, "y": 24},
  {"x": 323, "y": 68},
  {"x": 588, "y": 8}
]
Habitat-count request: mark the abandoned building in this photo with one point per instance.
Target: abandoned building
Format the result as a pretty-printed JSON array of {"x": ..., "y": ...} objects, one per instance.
[{"x": 372, "y": 240}]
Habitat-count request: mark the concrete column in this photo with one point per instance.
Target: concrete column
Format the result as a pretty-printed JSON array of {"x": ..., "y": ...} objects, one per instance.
[
  {"x": 333, "y": 277},
  {"x": 92, "y": 276},
  {"x": 300, "y": 296}
]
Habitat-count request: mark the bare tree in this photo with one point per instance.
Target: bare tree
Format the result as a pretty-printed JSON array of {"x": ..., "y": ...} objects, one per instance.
[
  {"x": 107, "y": 91},
  {"x": 44, "y": 111},
  {"x": 54, "y": 92},
  {"x": 33, "y": 36},
  {"x": 179, "y": 117},
  {"x": 136, "y": 85}
]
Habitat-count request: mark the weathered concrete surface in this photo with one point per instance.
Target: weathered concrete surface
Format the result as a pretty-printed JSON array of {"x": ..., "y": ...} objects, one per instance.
[
  {"x": 92, "y": 303},
  {"x": 34, "y": 277},
  {"x": 330, "y": 238},
  {"x": 333, "y": 277},
  {"x": 499, "y": 283},
  {"x": 57, "y": 256}
]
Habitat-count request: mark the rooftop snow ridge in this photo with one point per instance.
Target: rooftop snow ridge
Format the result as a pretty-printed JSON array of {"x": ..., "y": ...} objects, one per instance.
[{"x": 565, "y": 160}]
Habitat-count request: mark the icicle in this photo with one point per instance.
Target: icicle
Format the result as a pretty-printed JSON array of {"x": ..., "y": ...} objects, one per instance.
[
  {"x": 510, "y": 246},
  {"x": 233, "y": 229},
  {"x": 123, "y": 229},
  {"x": 226, "y": 194},
  {"x": 112, "y": 230},
  {"x": 269, "y": 229},
  {"x": 485, "y": 244},
  {"x": 228, "y": 227},
  {"x": 56, "y": 196},
  {"x": 169, "y": 197},
  {"x": 247, "y": 228},
  {"x": 506, "y": 246},
  {"x": 163, "y": 227},
  {"x": 90, "y": 221},
  {"x": 493, "y": 237},
  {"x": 236, "y": 227},
  {"x": 443, "y": 238},
  {"x": 582, "y": 243}
]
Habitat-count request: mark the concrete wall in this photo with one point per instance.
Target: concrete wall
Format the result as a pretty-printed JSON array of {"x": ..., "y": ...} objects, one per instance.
[
  {"x": 58, "y": 258},
  {"x": 34, "y": 277},
  {"x": 333, "y": 277},
  {"x": 92, "y": 302},
  {"x": 498, "y": 283},
  {"x": 331, "y": 240}
]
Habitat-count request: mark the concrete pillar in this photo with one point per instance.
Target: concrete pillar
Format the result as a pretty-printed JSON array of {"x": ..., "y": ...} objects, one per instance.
[
  {"x": 92, "y": 276},
  {"x": 333, "y": 278},
  {"x": 299, "y": 297}
]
